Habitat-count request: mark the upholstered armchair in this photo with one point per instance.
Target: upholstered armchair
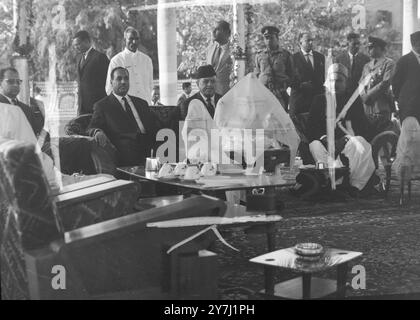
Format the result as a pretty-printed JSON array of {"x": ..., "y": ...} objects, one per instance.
[
  {"x": 92, "y": 234},
  {"x": 32, "y": 217},
  {"x": 102, "y": 159}
]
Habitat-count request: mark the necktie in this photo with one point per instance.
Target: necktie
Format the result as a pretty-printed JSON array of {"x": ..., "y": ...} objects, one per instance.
[
  {"x": 352, "y": 64},
  {"x": 210, "y": 107},
  {"x": 82, "y": 61},
  {"x": 129, "y": 112},
  {"x": 216, "y": 56},
  {"x": 309, "y": 60}
]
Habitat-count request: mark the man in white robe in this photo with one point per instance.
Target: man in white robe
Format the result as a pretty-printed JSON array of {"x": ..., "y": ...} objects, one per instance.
[{"x": 138, "y": 64}]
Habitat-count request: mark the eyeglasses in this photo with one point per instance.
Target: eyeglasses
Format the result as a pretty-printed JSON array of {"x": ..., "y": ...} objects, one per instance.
[{"x": 13, "y": 81}]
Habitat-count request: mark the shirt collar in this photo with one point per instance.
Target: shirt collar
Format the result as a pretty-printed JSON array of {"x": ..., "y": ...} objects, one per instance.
[
  {"x": 223, "y": 46},
  {"x": 126, "y": 51},
  {"x": 119, "y": 98},
  {"x": 306, "y": 53},
  {"x": 205, "y": 98},
  {"x": 8, "y": 99},
  {"x": 86, "y": 53},
  {"x": 351, "y": 55},
  {"x": 416, "y": 54}
]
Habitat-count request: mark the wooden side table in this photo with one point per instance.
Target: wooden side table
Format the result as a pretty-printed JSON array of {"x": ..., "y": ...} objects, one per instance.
[{"x": 306, "y": 286}]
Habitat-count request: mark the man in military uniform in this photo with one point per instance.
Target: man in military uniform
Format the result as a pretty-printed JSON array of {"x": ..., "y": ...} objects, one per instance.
[
  {"x": 376, "y": 94},
  {"x": 274, "y": 65}
]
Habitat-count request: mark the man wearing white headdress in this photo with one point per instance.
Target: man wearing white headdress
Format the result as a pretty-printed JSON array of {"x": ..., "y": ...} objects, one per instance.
[{"x": 348, "y": 133}]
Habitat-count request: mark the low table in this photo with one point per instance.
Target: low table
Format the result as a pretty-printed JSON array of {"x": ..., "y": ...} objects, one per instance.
[
  {"x": 306, "y": 286},
  {"x": 220, "y": 182}
]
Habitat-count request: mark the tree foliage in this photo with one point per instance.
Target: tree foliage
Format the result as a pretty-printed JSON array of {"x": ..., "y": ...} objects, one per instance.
[
  {"x": 6, "y": 32},
  {"x": 58, "y": 20},
  {"x": 55, "y": 21}
]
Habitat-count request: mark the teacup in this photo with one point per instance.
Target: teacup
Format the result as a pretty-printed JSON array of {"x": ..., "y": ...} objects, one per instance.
[
  {"x": 180, "y": 169},
  {"x": 192, "y": 173},
  {"x": 166, "y": 171},
  {"x": 152, "y": 164},
  {"x": 208, "y": 169}
]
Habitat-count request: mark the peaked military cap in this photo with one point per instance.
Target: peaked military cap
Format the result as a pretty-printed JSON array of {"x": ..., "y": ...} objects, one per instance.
[
  {"x": 267, "y": 30},
  {"x": 206, "y": 71},
  {"x": 376, "y": 42}
]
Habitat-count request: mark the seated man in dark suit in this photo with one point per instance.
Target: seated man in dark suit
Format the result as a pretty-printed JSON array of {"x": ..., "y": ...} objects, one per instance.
[
  {"x": 9, "y": 90},
  {"x": 207, "y": 96},
  {"x": 126, "y": 120}
]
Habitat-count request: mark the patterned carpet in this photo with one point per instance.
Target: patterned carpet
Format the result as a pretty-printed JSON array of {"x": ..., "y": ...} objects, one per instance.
[{"x": 386, "y": 233}]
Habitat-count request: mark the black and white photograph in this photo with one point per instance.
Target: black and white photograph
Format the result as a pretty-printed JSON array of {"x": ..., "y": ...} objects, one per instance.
[{"x": 227, "y": 151}]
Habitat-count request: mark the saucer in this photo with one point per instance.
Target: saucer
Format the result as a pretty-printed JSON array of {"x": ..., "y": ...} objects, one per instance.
[
  {"x": 232, "y": 171},
  {"x": 168, "y": 178}
]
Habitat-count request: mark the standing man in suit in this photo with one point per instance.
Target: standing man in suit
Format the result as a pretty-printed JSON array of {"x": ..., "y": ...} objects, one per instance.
[
  {"x": 309, "y": 77},
  {"x": 218, "y": 56},
  {"x": 91, "y": 70},
  {"x": 9, "y": 90},
  {"x": 126, "y": 120},
  {"x": 406, "y": 81},
  {"x": 137, "y": 63},
  {"x": 274, "y": 65},
  {"x": 353, "y": 60},
  {"x": 376, "y": 94}
]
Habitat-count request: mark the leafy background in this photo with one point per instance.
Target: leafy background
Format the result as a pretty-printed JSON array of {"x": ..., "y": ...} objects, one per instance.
[{"x": 106, "y": 20}]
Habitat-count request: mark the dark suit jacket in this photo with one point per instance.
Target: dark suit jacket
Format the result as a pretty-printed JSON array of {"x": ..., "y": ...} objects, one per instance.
[
  {"x": 35, "y": 118},
  {"x": 223, "y": 68},
  {"x": 132, "y": 146},
  {"x": 301, "y": 97},
  {"x": 406, "y": 86},
  {"x": 184, "y": 106},
  {"x": 356, "y": 72},
  {"x": 91, "y": 77}
]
